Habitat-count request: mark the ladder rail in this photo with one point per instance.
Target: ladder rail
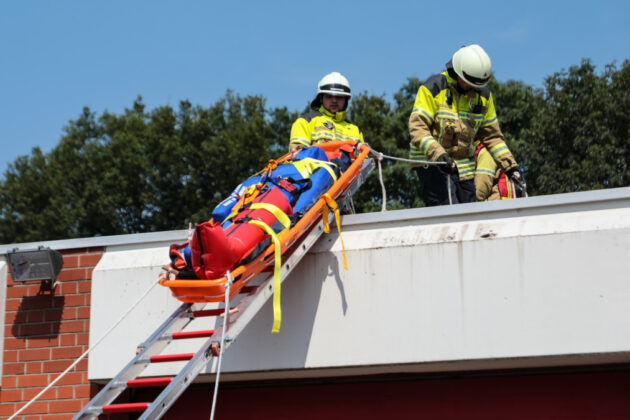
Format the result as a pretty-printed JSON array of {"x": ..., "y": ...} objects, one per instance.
[
  {"x": 152, "y": 345},
  {"x": 249, "y": 306}
]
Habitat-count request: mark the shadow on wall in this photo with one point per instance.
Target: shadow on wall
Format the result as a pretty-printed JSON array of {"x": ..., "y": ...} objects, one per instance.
[{"x": 38, "y": 315}]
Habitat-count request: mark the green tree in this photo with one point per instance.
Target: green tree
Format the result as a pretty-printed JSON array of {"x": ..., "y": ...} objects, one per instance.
[
  {"x": 139, "y": 171},
  {"x": 578, "y": 139}
]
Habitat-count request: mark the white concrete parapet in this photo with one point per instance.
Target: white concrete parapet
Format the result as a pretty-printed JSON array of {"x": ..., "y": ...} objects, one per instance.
[{"x": 540, "y": 281}]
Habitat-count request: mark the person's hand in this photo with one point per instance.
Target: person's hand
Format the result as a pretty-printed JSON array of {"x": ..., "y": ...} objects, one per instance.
[
  {"x": 448, "y": 168},
  {"x": 514, "y": 174}
]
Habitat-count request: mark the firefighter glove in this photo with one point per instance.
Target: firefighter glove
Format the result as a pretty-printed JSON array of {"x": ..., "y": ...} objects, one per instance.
[
  {"x": 448, "y": 168},
  {"x": 514, "y": 174}
]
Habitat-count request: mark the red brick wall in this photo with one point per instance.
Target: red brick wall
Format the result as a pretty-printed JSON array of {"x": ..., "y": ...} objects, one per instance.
[{"x": 45, "y": 332}]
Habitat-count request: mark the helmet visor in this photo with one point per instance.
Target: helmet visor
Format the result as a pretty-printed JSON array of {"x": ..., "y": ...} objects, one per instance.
[
  {"x": 335, "y": 89},
  {"x": 478, "y": 81}
]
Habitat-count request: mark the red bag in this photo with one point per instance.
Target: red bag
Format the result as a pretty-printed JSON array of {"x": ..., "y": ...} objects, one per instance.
[{"x": 214, "y": 251}]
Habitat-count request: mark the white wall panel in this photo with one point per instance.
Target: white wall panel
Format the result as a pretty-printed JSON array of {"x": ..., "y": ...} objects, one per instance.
[{"x": 531, "y": 282}]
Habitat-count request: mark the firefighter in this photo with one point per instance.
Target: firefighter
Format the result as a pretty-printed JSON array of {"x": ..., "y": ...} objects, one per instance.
[
  {"x": 491, "y": 183},
  {"x": 326, "y": 120},
  {"x": 452, "y": 110}
]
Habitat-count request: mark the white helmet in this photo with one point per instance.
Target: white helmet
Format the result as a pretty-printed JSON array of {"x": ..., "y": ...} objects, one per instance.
[
  {"x": 472, "y": 64},
  {"x": 332, "y": 84}
]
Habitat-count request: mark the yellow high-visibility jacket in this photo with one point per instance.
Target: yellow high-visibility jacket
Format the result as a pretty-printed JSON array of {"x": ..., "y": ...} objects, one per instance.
[
  {"x": 320, "y": 126},
  {"x": 445, "y": 120}
]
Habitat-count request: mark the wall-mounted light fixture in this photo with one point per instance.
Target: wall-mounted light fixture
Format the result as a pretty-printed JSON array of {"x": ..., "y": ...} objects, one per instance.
[{"x": 41, "y": 264}]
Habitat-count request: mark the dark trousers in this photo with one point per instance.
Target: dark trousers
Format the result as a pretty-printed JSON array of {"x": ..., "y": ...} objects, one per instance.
[{"x": 435, "y": 189}]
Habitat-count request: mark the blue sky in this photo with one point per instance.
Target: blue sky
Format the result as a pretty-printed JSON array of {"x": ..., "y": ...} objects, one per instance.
[{"x": 59, "y": 56}]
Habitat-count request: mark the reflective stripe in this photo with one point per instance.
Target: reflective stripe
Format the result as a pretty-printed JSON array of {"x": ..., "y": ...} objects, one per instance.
[
  {"x": 449, "y": 115},
  {"x": 421, "y": 152},
  {"x": 273, "y": 209},
  {"x": 498, "y": 150},
  {"x": 480, "y": 171},
  {"x": 300, "y": 141},
  {"x": 465, "y": 167},
  {"x": 491, "y": 121},
  {"x": 424, "y": 113}
]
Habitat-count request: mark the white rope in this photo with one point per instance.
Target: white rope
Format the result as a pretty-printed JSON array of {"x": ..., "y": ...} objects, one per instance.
[
  {"x": 379, "y": 157},
  {"x": 84, "y": 354},
  {"x": 225, "y": 317}
]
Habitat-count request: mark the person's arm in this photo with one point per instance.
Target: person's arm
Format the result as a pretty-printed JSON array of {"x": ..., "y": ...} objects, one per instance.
[
  {"x": 420, "y": 122},
  {"x": 492, "y": 138},
  {"x": 484, "y": 174},
  {"x": 300, "y": 134}
]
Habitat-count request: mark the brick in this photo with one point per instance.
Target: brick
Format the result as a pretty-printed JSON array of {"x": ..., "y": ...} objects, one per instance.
[
  {"x": 36, "y": 408},
  {"x": 35, "y": 329},
  {"x": 35, "y": 343},
  {"x": 56, "y": 417},
  {"x": 83, "y": 312},
  {"x": 65, "y": 392},
  {"x": 72, "y": 378},
  {"x": 9, "y": 382},
  {"x": 14, "y": 317},
  {"x": 42, "y": 302},
  {"x": 54, "y": 366},
  {"x": 11, "y": 343},
  {"x": 34, "y": 367},
  {"x": 67, "y": 353},
  {"x": 68, "y": 288},
  {"x": 12, "y": 395},
  {"x": 11, "y": 356},
  {"x": 70, "y": 261},
  {"x": 16, "y": 291},
  {"x": 90, "y": 260},
  {"x": 85, "y": 286},
  {"x": 82, "y": 391},
  {"x": 29, "y": 393},
  {"x": 75, "y": 300},
  {"x": 83, "y": 338},
  {"x": 72, "y": 326},
  {"x": 36, "y": 316},
  {"x": 7, "y": 409},
  {"x": 65, "y": 406},
  {"x": 31, "y": 381},
  {"x": 72, "y": 274},
  {"x": 13, "y": 304},
  {"x": 13, "y": 369},
  {"x": 35, "y": 354},
  {"x": 67, "y": 340},
  {"x": 69, "y": 313}
]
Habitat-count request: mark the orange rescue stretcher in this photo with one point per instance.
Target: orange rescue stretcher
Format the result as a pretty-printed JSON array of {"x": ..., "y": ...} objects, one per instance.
[{"x": 213, "y": 290}]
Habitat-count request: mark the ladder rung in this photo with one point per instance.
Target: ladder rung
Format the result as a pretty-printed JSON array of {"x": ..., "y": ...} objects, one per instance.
[
  {"x": 209, "y": 312},
  {"x": 192, "y": 334},
  {"x": 158, "y": 358},
  {"x": 248, "y": 289},
  {"x": 139, "y": 383},
  {"x": 125, "y": 408}
]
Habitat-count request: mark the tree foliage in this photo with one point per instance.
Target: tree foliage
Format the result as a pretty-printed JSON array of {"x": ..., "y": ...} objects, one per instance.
[{"x": 143, "y": 171}]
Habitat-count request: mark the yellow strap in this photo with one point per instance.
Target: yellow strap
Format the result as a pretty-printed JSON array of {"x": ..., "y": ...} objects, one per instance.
[
  {"x": 307, "y": 166},
  {"x": 271, "y": 208},
  {"x": 333, "y": 205},
  {"x": 277, "y": 312},
  {"x": 248, "y": 195}
]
